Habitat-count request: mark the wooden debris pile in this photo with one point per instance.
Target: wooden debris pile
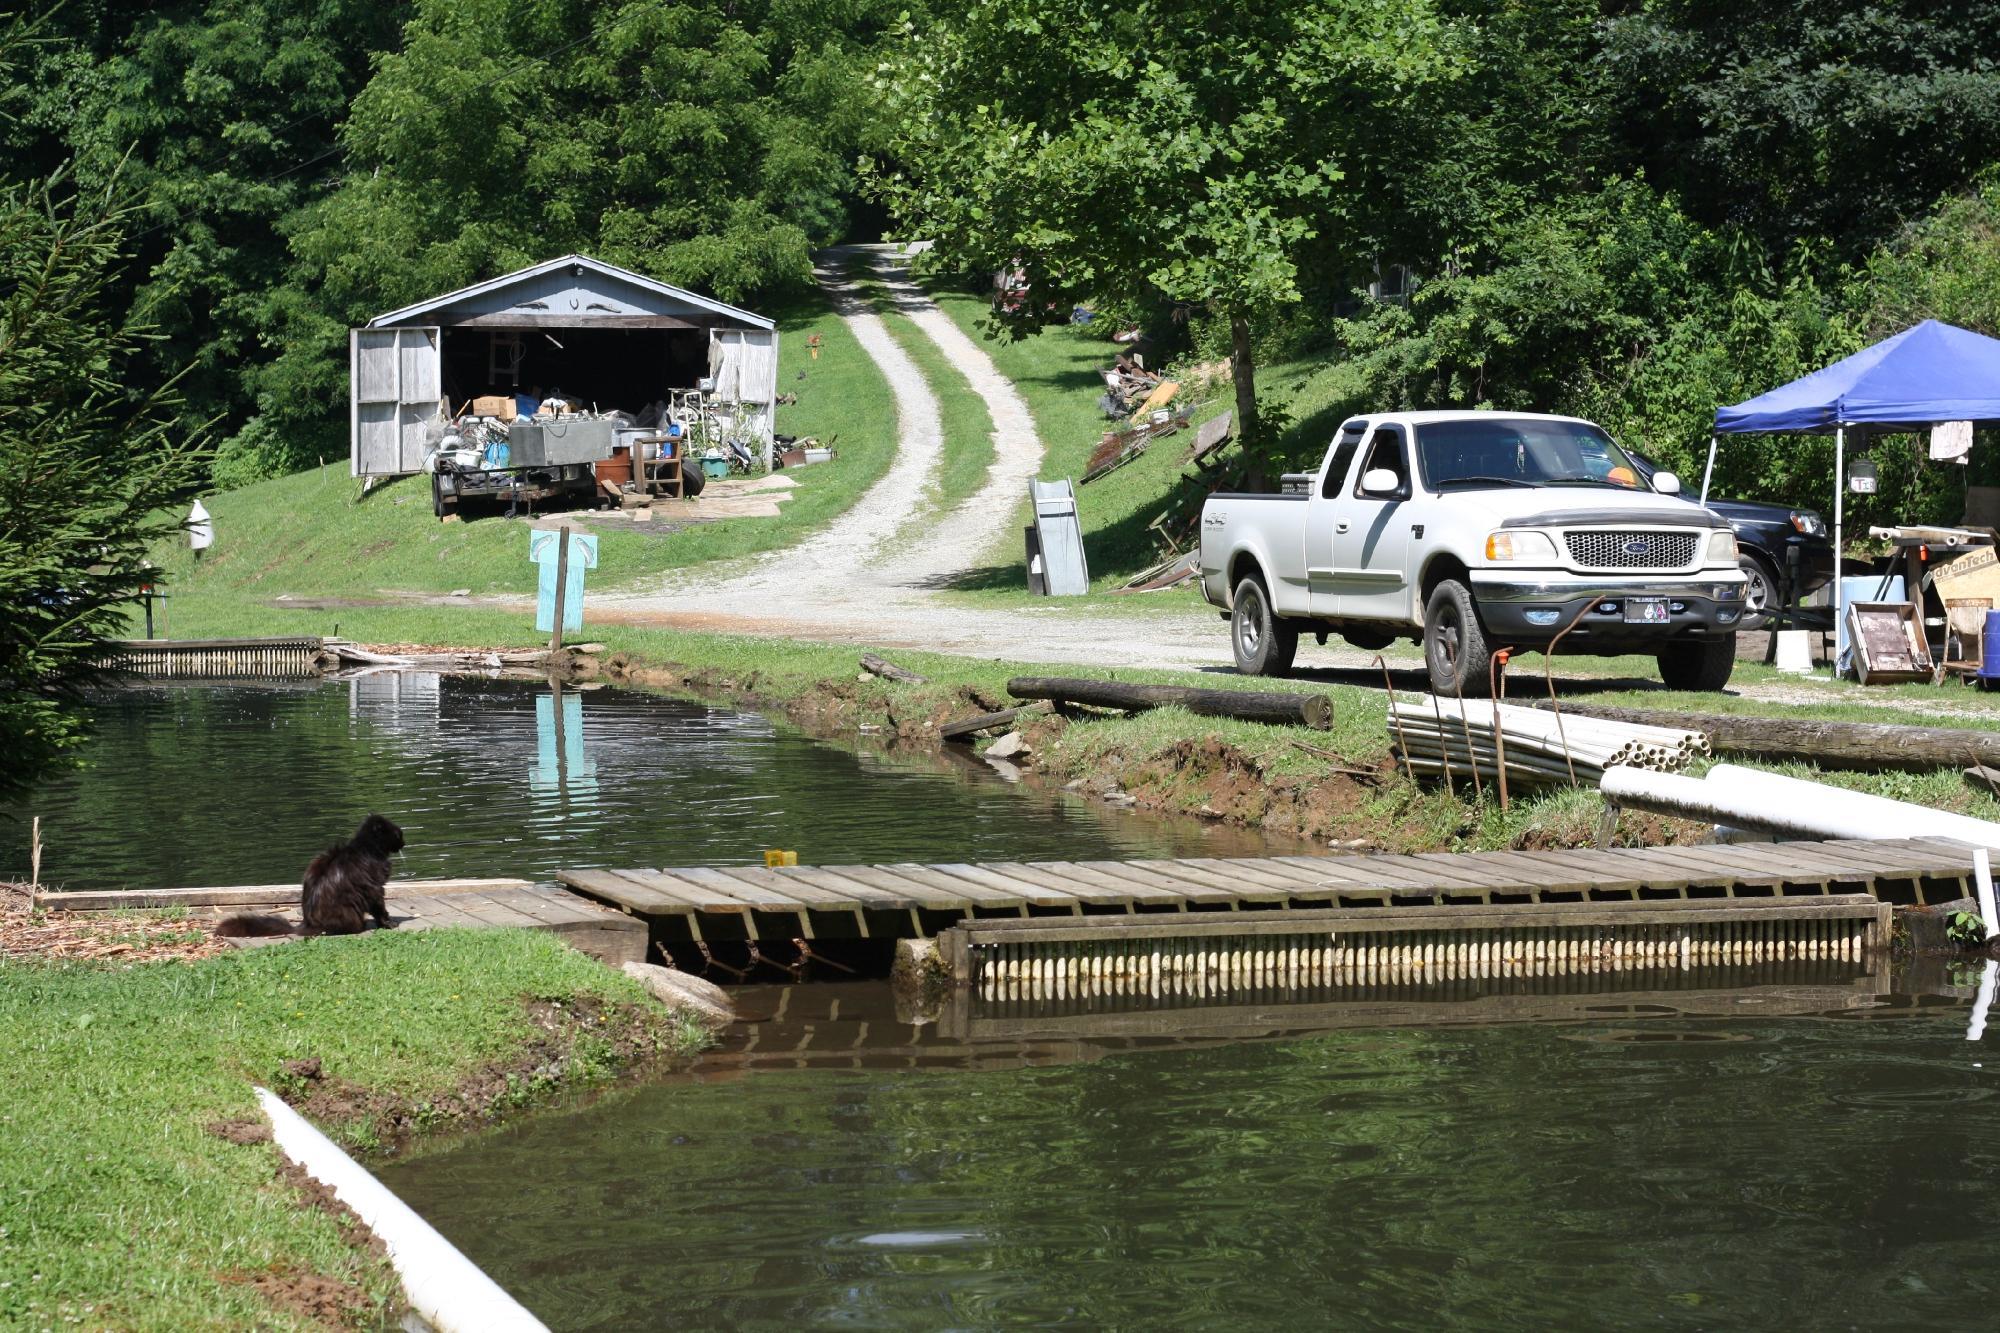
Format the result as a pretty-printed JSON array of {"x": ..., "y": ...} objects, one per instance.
[{"x": 1436, "y": 736}]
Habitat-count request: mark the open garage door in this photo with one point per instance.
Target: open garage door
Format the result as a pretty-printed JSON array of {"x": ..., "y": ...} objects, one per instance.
[{"x": 396, "y": 395}]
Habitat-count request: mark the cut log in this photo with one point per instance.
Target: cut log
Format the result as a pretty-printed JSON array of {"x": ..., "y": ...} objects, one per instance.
[
  {"x": 1297, "y": 710},
  {"x": 876, "y": 666},
  {"x": 1866, "y": 746},
  {"x": 969, "y": 727}
]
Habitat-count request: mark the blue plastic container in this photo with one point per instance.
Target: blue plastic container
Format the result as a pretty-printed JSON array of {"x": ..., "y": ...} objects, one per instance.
[{"x": 1989, "y": 651}]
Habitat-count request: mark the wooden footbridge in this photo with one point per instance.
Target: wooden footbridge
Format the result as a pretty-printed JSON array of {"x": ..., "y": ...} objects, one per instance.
[{"x": 906, "y": 900}]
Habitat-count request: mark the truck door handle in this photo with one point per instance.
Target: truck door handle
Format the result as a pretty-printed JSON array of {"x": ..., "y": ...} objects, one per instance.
[{"x": 1340, "y": 526}]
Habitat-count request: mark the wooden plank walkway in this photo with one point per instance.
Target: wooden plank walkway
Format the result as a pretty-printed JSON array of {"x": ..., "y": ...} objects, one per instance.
[
  {"x": 903, "y": 900},
  {"x": 415, "y": 904}
]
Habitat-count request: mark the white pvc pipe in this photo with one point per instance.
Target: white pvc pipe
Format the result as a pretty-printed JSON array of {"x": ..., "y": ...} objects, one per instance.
[
  {"x": 1982, "y": 880},
  {"x": 1854, "y": 814},
  {"x": 1750, "y": 799},
  {"x": 443, "y": 1286}
]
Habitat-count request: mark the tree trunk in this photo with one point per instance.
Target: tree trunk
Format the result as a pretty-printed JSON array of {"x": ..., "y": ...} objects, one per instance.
[
  {"x": 1243, "y": 370},
  {"x": 1299, "y": 710}
]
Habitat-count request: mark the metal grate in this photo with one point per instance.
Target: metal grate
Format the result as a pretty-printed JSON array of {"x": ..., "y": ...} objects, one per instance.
[{"x": 1631, "y": 548}]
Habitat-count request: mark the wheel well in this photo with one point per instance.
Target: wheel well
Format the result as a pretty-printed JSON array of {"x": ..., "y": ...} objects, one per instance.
[
  {"x": 1245, "y": 566},
  {"x": 1440, "y": 568}
]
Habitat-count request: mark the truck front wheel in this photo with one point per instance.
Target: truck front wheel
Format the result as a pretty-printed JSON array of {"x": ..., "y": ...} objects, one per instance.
[
  {"x": 1698, "y": 664},
  {"x": 1263, "y": 644},
  {"x": 1454, "y": 644}
]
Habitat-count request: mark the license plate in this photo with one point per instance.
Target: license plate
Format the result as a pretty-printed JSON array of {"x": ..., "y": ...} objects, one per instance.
[{"x": 1646, "y": 611}]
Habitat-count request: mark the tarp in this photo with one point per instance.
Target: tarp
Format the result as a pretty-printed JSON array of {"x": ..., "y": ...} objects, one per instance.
[{"x": 1932, "y": 372}]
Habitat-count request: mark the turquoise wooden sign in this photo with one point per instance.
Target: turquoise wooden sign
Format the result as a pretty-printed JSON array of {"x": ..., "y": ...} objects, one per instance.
[{"x": 543, "y": 548}]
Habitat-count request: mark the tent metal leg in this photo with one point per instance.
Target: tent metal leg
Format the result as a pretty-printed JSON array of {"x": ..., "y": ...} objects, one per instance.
[
  {"x": 1839, "y": 514},
  {"x": 1709, "y": 471}
]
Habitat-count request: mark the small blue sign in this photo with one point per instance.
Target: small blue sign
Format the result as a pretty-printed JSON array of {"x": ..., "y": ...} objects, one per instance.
[{"x": 543, "y": 549}]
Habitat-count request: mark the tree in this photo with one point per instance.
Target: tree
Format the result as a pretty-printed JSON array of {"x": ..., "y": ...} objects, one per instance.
[
  {"x": 86, "y": 467},
  {"x": 1159, "y": 148},
  {"x": 706, "y": 143}
]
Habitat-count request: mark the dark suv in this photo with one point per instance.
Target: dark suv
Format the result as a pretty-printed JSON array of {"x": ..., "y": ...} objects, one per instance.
[{"x": 1764, "y": 534}]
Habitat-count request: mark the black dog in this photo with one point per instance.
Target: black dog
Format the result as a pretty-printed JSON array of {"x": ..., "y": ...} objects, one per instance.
[{"x": 343, "y": 890}]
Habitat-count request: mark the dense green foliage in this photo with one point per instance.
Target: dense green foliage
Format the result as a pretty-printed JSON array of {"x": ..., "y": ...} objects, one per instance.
[
  {"x": 85, "y": 464},
  {"x": 301, "y": 168},
  {"x": 1634, "y": 210},
  {"x": 1162, "y": 147}
]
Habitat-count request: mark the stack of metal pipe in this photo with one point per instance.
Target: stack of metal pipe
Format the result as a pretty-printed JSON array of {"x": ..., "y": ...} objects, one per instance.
[{"x": 1435, "y": 735}]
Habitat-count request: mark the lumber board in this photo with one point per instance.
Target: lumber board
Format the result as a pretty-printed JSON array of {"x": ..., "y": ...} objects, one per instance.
[
  {"x": 1195, "y": 883},
  {"x": 1243, "y": 870},
  {"x": 1192, "y": 884},
  {"x": 242, "y": 895},
  {"x": 623, "y": 891},
  {"x": 1089, "y": 888},
  {"x": 789, "y": 884},
  {"x": 1031, "y": 892},
  {"x": 969, "y": 895},
  {"x": 1138, "y": 888},
  {"x": 920, "y": 894},
  {"x": 718, "y": 892},
  {"x": 860, "y": 895}
]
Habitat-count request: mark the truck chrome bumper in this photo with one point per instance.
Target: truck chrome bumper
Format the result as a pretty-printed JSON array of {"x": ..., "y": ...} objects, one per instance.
[{"x": 1535, "y": 608}]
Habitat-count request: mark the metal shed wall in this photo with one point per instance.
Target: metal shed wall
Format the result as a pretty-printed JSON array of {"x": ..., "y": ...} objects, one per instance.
[{"x": 395, "y": 361}]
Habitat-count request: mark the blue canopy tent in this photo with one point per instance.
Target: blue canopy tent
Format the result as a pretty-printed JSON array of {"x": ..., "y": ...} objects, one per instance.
[{"x": 1924, "y": 375}]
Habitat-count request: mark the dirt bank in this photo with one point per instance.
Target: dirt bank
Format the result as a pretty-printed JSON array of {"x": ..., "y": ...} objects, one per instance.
[{"x": 1180, "y": 766}]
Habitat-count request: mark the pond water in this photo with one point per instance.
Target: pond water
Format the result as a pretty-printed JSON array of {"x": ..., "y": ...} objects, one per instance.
[
  {"x": 245, "y": 783},
  {"x": 838, "y": 1166}
]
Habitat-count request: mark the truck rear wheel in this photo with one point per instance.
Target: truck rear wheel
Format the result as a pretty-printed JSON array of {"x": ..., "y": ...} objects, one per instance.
[
  {"x": 1263, "y": 644},
  {"x": 1454, "y": 643},
  {"x": 1698, "y": 664}
]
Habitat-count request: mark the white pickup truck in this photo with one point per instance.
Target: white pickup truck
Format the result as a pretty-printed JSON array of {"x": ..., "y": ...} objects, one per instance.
[{"x": 1470, "y": 532}]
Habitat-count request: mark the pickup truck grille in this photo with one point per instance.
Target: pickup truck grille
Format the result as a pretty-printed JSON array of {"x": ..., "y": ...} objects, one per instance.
[{"x": 1629, "y": 548}]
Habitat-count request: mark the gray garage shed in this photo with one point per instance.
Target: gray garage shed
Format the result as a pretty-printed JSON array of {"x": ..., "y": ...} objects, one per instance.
[{"x": 606, "y": 337}]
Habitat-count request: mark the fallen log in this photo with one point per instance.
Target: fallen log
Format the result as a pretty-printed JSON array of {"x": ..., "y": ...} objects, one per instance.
[
  {"x": 1864, "y": 746},
  {"x": 967, "y": 728},
  {"x": 1297, "y": 710},
  {"x": 876, "y": 666}
]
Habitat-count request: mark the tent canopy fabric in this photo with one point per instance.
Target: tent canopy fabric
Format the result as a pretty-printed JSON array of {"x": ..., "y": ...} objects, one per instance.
[{"x": 1928, "y": 373}]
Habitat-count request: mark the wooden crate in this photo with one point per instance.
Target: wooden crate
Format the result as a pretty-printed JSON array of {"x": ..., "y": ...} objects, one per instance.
[{"x": 1889, "y": 645}]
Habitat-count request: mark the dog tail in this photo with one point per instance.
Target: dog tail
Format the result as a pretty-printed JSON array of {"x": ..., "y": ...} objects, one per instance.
[{"x": 253, "y": 926}]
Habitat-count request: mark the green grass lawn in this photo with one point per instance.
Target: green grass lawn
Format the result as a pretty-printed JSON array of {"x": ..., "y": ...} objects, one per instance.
[
  {"x": 313, "y": 534},
  {"x": 123, "y": 1211}
]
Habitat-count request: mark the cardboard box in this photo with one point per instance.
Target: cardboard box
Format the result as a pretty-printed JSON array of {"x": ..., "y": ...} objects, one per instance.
[
  {"x": 499, "y": 405},
  {"x": 1976, "y": 574}
]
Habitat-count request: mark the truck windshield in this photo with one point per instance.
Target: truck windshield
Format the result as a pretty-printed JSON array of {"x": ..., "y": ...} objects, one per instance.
[{"x": 1518, "y": 451}]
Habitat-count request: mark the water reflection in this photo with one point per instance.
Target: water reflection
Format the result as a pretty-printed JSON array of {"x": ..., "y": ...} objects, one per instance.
[
  {"x": 1644, "y": 1158},
  {"x": 243, "y": 783},
  {"x": 563, "y": 765}
]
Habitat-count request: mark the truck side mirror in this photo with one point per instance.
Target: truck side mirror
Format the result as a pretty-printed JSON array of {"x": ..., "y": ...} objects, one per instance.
[
  {"x": 1380, "y": 481},
  {"x": 1666, "y": 483}
]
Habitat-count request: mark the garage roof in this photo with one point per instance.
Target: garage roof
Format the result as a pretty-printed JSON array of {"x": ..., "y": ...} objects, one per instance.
[{"x": 568, "y": 292}]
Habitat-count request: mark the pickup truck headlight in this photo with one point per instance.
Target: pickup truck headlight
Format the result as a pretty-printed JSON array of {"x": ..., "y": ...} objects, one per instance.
[
  {"x": 1520, "y": 546},
  {"x": 1722, "y": 548},
  {"x": 1807, "y": 523}
]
